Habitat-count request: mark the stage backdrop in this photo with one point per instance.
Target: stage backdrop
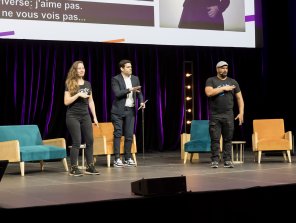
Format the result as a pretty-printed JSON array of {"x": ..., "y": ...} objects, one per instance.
[
  {"x": 34, "y": 73},
  {"x": 33, "y": 77}
]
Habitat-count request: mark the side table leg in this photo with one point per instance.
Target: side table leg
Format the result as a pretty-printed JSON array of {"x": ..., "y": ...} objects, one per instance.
[
  {"x": 83, "y": 167},
  {"x": 232, "y": 152},
  {"x": 241, "y": 153},
  {"x": 236, "y": 148}
]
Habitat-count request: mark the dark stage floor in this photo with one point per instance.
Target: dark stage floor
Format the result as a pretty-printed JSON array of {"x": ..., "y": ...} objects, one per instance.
[{"x": 54, "y": 187}]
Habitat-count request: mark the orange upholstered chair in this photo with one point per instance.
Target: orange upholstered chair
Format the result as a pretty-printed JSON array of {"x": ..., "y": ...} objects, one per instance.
[
  {"x": 103, "y": 141},
  {"x": 270, "y": 135}
]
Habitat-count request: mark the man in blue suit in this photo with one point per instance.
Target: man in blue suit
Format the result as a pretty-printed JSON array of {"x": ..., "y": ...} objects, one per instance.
[{"x": 126, "y": 88}]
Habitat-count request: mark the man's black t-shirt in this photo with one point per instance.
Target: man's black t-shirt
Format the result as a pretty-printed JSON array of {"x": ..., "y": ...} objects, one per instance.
[{"x": 223, "y": 102}]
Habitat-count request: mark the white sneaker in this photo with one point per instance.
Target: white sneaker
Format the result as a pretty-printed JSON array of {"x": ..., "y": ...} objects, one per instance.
[
  {"x": 129, "y": 162},
  {"x": 118, "y": 163}
]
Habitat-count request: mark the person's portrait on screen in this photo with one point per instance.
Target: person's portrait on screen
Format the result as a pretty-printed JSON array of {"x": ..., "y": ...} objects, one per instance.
[{"x": 203, "y": 14}]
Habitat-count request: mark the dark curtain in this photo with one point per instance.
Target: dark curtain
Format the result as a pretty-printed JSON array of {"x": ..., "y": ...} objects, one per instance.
[
  {"x": 33, "y": 77},
  {"x": 278, "y": 67},
  {"x": 34, "y": 73}
]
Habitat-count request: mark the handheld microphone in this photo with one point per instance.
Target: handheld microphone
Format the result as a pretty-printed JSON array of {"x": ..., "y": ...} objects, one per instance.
[{"x": 142, "y": 105}]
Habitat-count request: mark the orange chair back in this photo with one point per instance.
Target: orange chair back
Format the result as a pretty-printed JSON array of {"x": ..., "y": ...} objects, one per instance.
[{"x": 269, "y": 128}]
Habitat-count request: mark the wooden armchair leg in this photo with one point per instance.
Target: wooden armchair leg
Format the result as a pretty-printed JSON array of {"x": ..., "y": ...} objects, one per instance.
[
  {"x": 42, "y": 165},
  {"x": 108, "y": 160},
  {"x": 259, "y": 156},
  {"x": 22, "y": 166},
  {"x": 65, "y": 164},
  {"x": 185, "y": 157},
  {"x": 289, "y": 156}
]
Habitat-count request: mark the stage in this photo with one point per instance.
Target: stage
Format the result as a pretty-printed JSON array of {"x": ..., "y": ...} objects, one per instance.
[{"x": 247, "y": 182}]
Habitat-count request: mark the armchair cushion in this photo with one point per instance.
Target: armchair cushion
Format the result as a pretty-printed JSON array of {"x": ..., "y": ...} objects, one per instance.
[
  {"x": 273, "y": 144},
  {"x": 41, "y": 152},
  {"x": 199, "y": 137},
  {"x": 193, "y": 145}
]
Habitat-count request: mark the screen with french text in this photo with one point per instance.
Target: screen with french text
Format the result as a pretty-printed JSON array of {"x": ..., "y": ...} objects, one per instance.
[{"x": 226, "y": 23}]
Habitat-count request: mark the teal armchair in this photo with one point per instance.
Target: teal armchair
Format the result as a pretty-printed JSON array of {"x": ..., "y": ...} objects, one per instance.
[
  {"x": 23, "y": 143},
  {"x": 200, "y": 141}
]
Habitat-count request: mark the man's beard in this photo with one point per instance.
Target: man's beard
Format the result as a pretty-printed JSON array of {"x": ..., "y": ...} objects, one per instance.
[{"x": 223, "y": 75}]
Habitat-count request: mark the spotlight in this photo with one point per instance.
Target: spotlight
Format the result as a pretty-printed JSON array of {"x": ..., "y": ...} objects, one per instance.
[
  {"x": 188, "y": 74},
  {"x": 188, "y": 87},
  {"x": 189, "y": 110},
  {"x": 188, "y": 122},
  {"x": 188, "y": 98}
]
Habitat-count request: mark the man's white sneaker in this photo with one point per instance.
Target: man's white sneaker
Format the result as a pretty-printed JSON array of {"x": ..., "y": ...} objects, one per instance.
[
  {"x": 118, "y": 163},
  {"x": 129, "y": 162}
]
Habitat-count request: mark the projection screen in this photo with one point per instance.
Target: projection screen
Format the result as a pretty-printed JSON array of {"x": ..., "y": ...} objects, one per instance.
[{"x": 158, "y": 22}]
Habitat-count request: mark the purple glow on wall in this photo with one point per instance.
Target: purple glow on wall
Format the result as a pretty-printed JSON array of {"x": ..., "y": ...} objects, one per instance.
[
  {"x": 46, "y": 75},
  {"x": 38, "y": 80},
  {"x": 31, "y": 84},
  {"x": 49, "y": 112},
  {"x": 158, "y": 102},
  {"x": 15, "y": 82},
  {"x": 249, "y": 18},
  {"x": 8, "y": 33},
  {"x": 23, "y": 110}
]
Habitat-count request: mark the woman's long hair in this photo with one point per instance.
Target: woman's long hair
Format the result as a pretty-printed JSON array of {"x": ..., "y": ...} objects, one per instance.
[{"x": 71, "y": 81}]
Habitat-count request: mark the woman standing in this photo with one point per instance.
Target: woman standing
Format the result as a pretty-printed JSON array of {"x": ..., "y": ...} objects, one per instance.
[{"x": 78, "y": 98}]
